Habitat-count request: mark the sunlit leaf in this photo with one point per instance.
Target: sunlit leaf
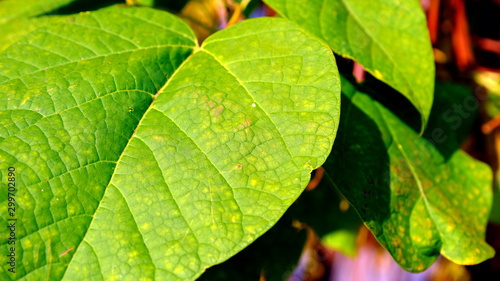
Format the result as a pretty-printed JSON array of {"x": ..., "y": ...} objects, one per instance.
[
  {"x": 388, "y": 37},
  {"x": 143, "y": 156}
]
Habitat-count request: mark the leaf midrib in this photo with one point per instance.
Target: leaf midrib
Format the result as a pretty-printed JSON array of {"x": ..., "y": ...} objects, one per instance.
[
  {"x": 422, "y": 192},
  {"x": 150, "y": 107},
  {"x": 354, "y": 16},
  {"x": 387, "y": 54},
  {"x": 282, "y": 137}
]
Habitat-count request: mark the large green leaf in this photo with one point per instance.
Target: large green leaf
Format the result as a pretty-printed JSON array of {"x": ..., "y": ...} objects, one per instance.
[
  {"x": 388, "y": 37},
  {"x": 122, "y": 174},
  {"x": 416, "y": 202}
]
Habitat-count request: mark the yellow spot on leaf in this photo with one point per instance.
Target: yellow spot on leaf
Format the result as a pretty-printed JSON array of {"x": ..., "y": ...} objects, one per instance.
[
  {"x": 417, "y": 238},
  {"x": 377, "y": 74},
  {"x": 450, "y": 227},
  {"x": 133, "y": 254},
  {"x": 250, "y": 229},
  {"x": 179, "y": 270}
]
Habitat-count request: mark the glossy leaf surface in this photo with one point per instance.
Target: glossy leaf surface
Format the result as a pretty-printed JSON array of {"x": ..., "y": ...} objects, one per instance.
[
  {"x": 389, "y": 38},
  {"x": 143, "y": 156}
]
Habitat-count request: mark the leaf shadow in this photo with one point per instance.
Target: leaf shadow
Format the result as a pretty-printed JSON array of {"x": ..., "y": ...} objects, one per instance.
[
  {"x": 359, "y": 165},
  {"x": 92, "y": 5},
  {"x": 453, "y": 114}
]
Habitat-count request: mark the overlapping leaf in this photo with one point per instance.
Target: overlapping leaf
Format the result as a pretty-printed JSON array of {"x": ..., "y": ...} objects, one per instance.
[
  {"x": 417, "y": 203},
  {"x": 125, "y": 175},
  {"x": 12, "y": 9},
  {"x": 389, "y": 38},
  {"x": 16, "y": 19}
]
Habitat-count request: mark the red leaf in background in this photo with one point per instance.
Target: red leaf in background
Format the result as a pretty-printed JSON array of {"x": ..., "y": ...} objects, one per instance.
[
  {"x": 433, "y": 19},
  {"x": 460, "y": 36},
  {"x": 359, "y": 72},
  {"x": 489, "y": 45}
]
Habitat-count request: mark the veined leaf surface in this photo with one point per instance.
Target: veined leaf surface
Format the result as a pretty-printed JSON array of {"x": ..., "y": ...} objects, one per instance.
[
  {"x": 388, "y": 37},
  {"x": 140, "y": 155},
  {"x": 416, "y": 202},
  {"x": 12, "y": 9}
]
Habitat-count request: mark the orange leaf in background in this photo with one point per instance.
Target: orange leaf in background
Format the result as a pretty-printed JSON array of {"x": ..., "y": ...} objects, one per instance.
[
  {"x": 269, "y": 11},
  {"x": 204, "y": 16},
  {"x": 318, "y": 175},
  {"x": 433, "y": 19},
  {"x": 491, "y": 125},
  {"x": 489, "y": 45},
  {"x": 460, "y": 36}
]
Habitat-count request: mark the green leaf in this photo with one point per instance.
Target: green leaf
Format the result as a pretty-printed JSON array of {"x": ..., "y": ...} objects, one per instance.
[
  {"x": 169, "y": 5},
  {"x": 17, "y": 19},
  {"x": 388, "y": 37},
  {"x": 416, "y": 203},
  {"x": 122, "y": 174},
  {"x": 12, "y": 9}
]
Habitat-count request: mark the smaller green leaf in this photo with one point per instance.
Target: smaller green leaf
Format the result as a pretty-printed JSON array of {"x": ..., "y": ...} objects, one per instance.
[
  {"x": 162, "y": 157},
  {"x": 388, "y": 37},
  {"x": 416, "y": 203},
  {"x": 13, "y": 9},
  {"x": 18, "y": 18}
]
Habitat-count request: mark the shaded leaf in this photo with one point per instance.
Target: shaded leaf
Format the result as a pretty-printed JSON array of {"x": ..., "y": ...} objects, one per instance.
[
  {"x": 125, "y": 175},
  {"x": 495, "y": 210},
  {"x": 420, "y": 204},
  {"x": 389, "y": 38}
]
